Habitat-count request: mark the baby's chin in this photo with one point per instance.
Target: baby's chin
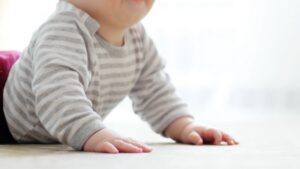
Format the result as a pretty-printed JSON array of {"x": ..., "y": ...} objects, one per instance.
[
  {"x": 137, "y": 8},
  {"x": 137, "y": 1},
  {"x": 137, "y": 4},
  {"x": 134, "y": 11}
]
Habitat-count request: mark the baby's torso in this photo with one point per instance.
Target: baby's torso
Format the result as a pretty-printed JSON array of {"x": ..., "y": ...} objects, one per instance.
[{"x": 113, "y": 73}]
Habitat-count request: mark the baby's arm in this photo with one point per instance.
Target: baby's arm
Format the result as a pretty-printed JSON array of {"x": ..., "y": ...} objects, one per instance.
[
  {"x": 154, "y": 99},
  {"x": 107, "y": 141},
  {"x": 59, "y": 81},
  {"x": 186, "y": 131}
]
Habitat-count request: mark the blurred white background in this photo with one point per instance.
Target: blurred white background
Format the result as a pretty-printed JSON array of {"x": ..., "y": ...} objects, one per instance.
[{"x": 224, "y": 56}]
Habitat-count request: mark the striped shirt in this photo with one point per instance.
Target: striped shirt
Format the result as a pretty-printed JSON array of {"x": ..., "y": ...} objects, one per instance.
[{"x": 69, "y": 78}]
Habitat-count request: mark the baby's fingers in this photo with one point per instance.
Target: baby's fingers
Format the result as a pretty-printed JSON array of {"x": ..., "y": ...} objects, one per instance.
[
  {"x": 144, "y": 147},
  {"x": 126, "y": 147},
  {"x": 195, "y": 138},
  {"x": 228, "y": 139},
  {"x": 106, "y": 147},
  {"x": 212, "y": 136}
]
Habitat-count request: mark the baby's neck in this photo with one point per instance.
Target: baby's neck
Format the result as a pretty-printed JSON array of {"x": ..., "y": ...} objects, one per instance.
[{"x": 112, "y": 35}]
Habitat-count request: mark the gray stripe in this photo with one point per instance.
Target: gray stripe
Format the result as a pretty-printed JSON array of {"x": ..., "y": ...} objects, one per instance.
[
  {"x": 63, "y": 47},
  {"x": 53, "y": 76},
  {"x": 50, "y": 96},
  {"x": 167, "y": 105},
  {"x": 156, "y": 92},
  {"x": 119, "y": 84},
  {"x": 59, "y": 28},
  {"x": 125, "y": 74},
  {"x": 109, "y": 101},
  {"x": 50, "y": 99},
  {"x": 63, "y": 39},
  {"x": 19, "y": 106},
  {"x": 115, "y": 93},
  {"x": 71, "y": 105},
  {"x": 16, "y": 127},
  {"x": 34, "y": 136},
  {"x": 67, "y": 54},
  {"x": 113, "y": 65}
]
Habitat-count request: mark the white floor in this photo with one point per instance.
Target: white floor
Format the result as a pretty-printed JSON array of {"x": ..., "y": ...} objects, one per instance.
[{"x": 269, "y": 142}]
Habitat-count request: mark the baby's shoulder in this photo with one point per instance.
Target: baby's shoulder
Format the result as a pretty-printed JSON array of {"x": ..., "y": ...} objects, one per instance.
[
  {"x": 61, "y": 19},
  {"x": 55, "y": 23},
  {"x": 58, "y": 23}
]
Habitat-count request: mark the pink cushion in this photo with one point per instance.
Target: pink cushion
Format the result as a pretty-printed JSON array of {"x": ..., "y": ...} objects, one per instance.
[{"x": 7, "y": 59}]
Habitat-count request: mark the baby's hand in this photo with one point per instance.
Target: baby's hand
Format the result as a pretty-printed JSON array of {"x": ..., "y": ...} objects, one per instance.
[
  {"x": 186, "y": 131},
  {"x": 107, "y": 141},
  {"x": 196, "y": 134}
]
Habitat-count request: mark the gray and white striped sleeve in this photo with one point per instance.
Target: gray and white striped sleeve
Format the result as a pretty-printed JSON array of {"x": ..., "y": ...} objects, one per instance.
[
  {"x": 59, "y": 82},
  {"x": 153, "y": 95}
]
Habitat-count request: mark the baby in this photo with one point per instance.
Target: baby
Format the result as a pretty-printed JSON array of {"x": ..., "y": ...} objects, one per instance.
[{"x": 79, "y": 65}]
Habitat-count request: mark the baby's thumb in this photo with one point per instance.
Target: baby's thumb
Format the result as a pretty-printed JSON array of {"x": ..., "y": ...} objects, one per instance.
[{"x": 195, "y": 138}]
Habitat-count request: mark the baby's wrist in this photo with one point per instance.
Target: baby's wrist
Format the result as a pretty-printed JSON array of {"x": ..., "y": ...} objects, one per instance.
[{"x": 175, "y": 129}]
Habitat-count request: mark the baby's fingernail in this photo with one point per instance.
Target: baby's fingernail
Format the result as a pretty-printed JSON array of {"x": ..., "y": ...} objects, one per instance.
[
  {"x": 200, "y": 142},
  {"x": 148, "y": 150},
  {"x": 194, "y": 134},
  {"x": 147, "y": 147}
]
